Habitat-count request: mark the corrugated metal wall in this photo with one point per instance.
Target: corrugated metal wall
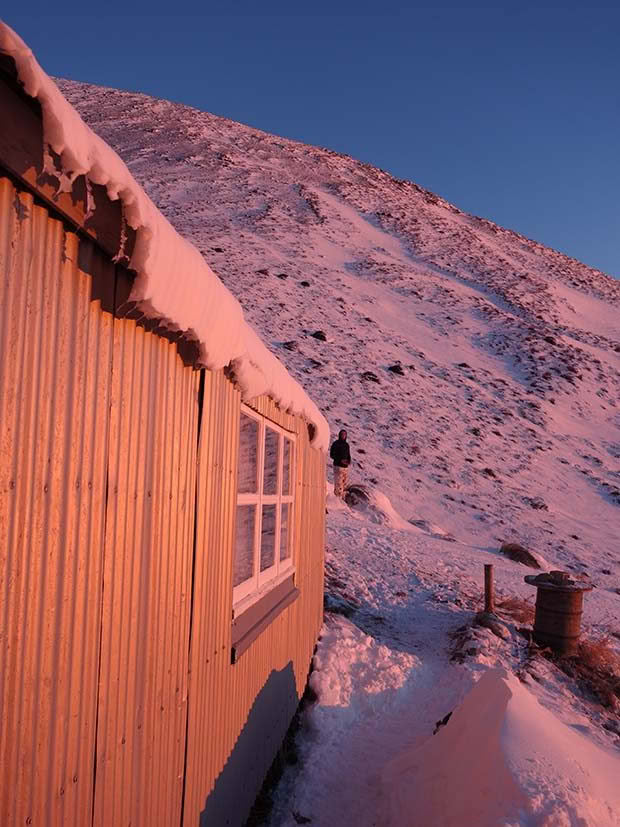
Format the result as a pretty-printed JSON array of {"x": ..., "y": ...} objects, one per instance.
[
  {"x": 147, "y": 582},
  {"x": 118, "y": 700},
  {"x": 55, "y": 360}
]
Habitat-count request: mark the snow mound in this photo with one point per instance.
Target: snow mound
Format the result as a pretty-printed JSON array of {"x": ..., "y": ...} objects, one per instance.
[
  {"x": 431, "y": 528},
  {"x": 173, "y": 281},
  {"x": 352, "y": 671},
  {"x": 377, "y": 507},
  {"x": 502, "y": 759}
]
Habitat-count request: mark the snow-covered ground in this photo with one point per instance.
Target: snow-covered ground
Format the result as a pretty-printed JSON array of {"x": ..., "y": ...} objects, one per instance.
[
  {"x": 532, "y": 750},
  {"x": 499, "y": 421}
]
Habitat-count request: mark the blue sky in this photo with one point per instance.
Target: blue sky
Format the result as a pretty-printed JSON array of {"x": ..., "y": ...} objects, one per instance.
[{"x": 509, "y": 110}]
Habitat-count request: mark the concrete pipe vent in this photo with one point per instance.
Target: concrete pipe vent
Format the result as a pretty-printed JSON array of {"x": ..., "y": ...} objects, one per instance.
[{"x": 559, "y": 606}]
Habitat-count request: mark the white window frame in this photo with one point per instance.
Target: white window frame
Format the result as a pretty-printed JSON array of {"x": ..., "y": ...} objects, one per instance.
[{"x": 250, "y": 590}]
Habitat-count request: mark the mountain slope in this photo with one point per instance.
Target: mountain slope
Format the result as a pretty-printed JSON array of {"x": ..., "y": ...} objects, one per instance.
[{"x": 502, "y": 419}]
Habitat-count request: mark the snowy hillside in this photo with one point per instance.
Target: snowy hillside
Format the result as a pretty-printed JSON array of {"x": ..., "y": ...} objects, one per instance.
[
  {"x": 510, "y": 352},
  {"x": 478, "y": 375}
]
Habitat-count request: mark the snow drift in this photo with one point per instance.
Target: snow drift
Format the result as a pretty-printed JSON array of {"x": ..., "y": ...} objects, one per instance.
[
  {"x": 504, "y": 759},
  {"x": 376, "y": 507}
]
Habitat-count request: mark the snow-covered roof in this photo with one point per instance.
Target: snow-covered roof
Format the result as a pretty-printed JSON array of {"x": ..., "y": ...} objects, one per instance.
[{"x": 173, "y": 280}]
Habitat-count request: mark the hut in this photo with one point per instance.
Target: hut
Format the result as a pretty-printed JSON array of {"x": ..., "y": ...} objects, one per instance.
[{"x": 162, "y": 499}]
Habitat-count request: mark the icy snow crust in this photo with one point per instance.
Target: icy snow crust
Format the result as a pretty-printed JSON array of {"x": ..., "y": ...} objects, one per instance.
[{"x": 174, "y": 282}]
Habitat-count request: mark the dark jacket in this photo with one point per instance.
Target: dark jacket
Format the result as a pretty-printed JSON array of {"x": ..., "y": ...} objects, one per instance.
[{"x": 340, "y": 453}]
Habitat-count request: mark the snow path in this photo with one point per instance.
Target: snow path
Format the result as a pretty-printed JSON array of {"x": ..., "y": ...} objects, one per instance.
[{"x": 383, "y": 683}]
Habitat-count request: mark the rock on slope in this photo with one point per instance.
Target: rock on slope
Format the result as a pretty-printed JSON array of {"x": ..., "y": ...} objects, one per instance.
[{"x": 499, "y": 419}]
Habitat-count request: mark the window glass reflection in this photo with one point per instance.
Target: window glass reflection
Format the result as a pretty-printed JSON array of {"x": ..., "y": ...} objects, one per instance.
[
  {"x": 285, "y": 531},
  {"x": 248, "y": 455},
  {"x": 272, "y": 441},
  {"x": 243, "y": 562},
  {"x": 286, "y": 466},
  {"x": 268, "y": 537}
]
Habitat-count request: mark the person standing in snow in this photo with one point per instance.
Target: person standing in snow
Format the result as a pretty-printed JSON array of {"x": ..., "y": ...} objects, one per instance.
[{"x": 341, "y": 455}]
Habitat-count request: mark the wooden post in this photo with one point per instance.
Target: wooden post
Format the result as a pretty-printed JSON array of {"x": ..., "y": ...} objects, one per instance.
[{"x": 489, "y": 597}]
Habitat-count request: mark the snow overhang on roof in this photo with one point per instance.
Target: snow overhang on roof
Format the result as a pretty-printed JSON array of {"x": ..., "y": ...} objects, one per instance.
[{"x": 173, "y": 280}]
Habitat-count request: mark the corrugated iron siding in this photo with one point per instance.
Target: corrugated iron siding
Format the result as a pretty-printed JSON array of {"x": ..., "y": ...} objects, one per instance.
[
  {"x": 212, "y": 616},
  {"x": 147, "y": 582},
  {"x": 106, "y": 641},
  {"x": 222, "y": 694},
  {"x": 55, "y": 359}
]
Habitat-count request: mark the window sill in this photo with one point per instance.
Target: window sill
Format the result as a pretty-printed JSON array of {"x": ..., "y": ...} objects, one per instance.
[{"x": 248, "y": 625}]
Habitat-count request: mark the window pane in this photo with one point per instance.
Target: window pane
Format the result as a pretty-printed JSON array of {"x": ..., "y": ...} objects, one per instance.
[
  {"x": 248, "y": 456},
  {"x": 268, "y": 537},
  {"x": 243, "y": 566},
  {"x": 286, "y": 466},
  {"x": 272, "y": 440},
  {"x": 285, "y": 532}
]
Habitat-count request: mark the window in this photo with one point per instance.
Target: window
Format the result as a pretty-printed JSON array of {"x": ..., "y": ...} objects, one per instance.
[{"x": 262, "y": 555}]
